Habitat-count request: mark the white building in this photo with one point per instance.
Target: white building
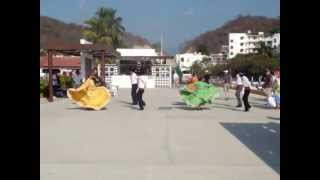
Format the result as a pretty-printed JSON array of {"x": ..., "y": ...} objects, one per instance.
[
  {"x": 186, "y": 60},
  {"x": 218, "y": 58},
  {"x": 137, "y": 52},
  {"x": 273, "y": 41},
  {"x": 158, "y": 74},
  {"x": 245, "y": 43}
]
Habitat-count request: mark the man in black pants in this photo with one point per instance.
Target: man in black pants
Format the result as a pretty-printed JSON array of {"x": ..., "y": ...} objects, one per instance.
[
  {"x": 142, "y": 84},
  {"x": 134, "y": 86},
  {"x": 247, "y": 87}
]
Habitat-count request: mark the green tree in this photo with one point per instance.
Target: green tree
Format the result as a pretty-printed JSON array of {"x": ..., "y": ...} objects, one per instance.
[
  {"x": 265, "y": 50},
  {"x": 43, "y": 52},
  {"x": 197, "y": 68},
  {"x": 156, "y": 46},
  {"x": 105, "y": 28},
  {"x": 275, "y": 30},
  {"x": 203, "y": 49}
]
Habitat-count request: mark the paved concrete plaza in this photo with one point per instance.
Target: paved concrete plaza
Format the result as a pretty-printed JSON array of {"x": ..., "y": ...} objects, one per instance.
[{"x": 166, "y": 141}]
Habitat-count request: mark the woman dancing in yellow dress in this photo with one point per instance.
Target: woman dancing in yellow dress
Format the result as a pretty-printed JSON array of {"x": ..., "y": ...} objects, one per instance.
[{"x": 88, "y": 95}]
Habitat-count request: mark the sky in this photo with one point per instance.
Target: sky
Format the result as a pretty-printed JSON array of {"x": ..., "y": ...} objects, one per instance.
[{"x": 177, "y": 20}]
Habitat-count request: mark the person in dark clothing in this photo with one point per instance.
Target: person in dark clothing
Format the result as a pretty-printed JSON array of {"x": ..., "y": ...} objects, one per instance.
[
  {"x": 247, "y": 88},
  {"x": 97, "y": 80},
  {"x": 268, "y": 84},
  {"x": 142, "y": 85},
  {"x": 239, "y": 89},
  {"x": 134, "y": 86}
]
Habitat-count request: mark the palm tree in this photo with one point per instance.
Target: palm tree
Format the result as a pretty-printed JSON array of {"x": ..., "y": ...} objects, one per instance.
[{"x": 105, "y": 28}]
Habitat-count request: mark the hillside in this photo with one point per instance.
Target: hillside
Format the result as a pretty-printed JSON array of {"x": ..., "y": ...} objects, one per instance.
[
  {"x": 51, "y": 28},
  {"x": 218, "y": 37}
]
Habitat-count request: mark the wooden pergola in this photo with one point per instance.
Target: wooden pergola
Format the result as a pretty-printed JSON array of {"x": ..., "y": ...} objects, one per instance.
[{"x": 96, "y": 50}]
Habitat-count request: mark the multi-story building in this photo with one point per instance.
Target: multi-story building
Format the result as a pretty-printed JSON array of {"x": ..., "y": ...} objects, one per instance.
[
  {"x": 245, "y": 43},
  {"x": 225, "y": 50},
  {"x": 219, "y": 58},
  {"x": 273, "y": 41},
  {"x": 185, "y": 61}
]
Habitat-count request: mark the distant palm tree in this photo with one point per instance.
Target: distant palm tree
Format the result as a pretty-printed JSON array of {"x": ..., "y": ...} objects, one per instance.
[{"x": 105, "y": 28}]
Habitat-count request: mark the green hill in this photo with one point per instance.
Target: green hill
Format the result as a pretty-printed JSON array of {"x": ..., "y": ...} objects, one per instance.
[
  {"x": 51, "y": 28},
  {"x": 214, "y": 39}
]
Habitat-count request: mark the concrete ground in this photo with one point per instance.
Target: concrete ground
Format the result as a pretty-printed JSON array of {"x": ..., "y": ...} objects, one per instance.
[{"x": 166, "y": 141}]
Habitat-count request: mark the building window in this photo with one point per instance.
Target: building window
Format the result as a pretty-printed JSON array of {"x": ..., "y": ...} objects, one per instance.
[
  {"x": 231, "y": 47},
  {"x": 231, "y": 53},
  {"x": 231, "y": 40},
  {"x": 275, "y": 40},
  {"x": 241, "y": 37},
  {"x": 241, "y": 44},
  {"x": 182, "y": 60},
  {"x": 241, "y": 50},
  {"x": 254, "y": 37}
]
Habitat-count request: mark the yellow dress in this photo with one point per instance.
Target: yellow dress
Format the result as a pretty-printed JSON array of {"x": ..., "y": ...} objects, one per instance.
[{"x": 90, "y": 96}]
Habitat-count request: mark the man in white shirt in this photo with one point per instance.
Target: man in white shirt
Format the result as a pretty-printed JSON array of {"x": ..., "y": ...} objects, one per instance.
[
  {"x": 239, "y": 88},
  {"x": 247, "y": 87},
  {"x": 142, "y": 85},
  {"x": 134, "y": 86},
  {"x": 76, "y": 79},
  {"x": 176, "y": 79}
]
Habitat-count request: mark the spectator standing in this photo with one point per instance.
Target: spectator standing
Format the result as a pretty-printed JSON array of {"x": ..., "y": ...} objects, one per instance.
[
  {"x": 247, "y": 88},
  {"x": 227, "y": 83},
  {"x": 239, "y": 87},
  {"x": 76, "y": 79}
]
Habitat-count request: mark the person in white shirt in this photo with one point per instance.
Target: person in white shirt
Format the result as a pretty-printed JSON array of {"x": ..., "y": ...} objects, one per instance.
[
  {"x": 247, "y": 87},
  {"x": 142, "y": 85},
  {"x": 176, "y": 79},
  {"x": 134, "y": 86},
  {"x": 239, "y": 88},
  {"x": 76, "y": 79}
]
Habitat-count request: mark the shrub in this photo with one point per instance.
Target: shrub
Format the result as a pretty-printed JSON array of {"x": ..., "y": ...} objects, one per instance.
[{"x": 44, "y": 88}]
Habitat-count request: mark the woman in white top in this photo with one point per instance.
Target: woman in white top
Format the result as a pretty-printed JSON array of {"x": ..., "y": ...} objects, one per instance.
[
  {"x": 142, "y": 85},
  {"x": 247, "y": 87}
]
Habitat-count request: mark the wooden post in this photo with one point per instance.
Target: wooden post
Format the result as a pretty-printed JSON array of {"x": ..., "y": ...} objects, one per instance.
[
  {"x": 103, "y": 69},
  {"x": 50, "y": 98}
]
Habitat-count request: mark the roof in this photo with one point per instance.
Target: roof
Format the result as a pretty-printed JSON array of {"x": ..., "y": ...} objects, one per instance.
[
  {"x": 137, "y": 52},
  {"x": 76, "y": 48},
  {"x": 61, "y": 62}
]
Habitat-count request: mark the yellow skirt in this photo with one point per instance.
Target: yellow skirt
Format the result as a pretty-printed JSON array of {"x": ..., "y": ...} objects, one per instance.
[{"x": 89, "y": 96}]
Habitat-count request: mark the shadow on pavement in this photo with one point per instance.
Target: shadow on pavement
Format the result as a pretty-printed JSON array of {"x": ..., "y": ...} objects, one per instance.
[
  {"x": 258, "y": 105},
  {"x": 222, "y": 104},
  {"x": 85, "y": 109},
  {"x": 227, "y": 108},
  {"x": 262, "y": 99},
  {"x": 263, "y": 139},
  {"x": 191, "y": 108},
  {"x": 273, "y": 118},
  {"x": 125, "y": 102},
  {"x": 179, "y": 103}
]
